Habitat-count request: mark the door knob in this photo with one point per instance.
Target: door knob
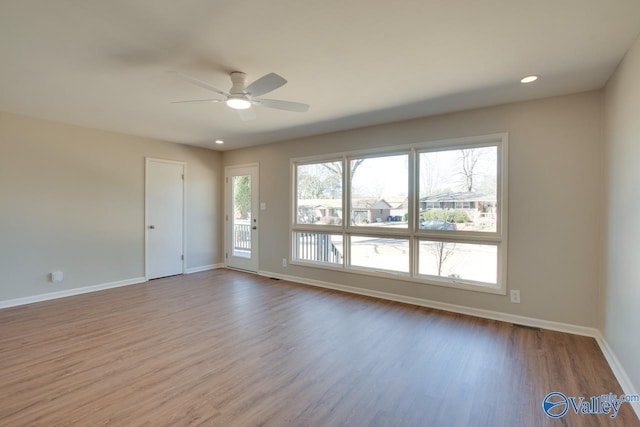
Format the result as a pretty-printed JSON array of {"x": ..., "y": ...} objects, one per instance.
[{"x": 152, "y": 227}]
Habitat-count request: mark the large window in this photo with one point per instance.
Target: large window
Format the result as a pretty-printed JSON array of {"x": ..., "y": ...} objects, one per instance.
[{"x": 432, "y": 213}]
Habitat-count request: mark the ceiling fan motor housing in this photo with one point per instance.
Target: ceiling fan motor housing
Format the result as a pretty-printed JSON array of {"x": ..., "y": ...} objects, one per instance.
[{"x": 239, "y": 80}]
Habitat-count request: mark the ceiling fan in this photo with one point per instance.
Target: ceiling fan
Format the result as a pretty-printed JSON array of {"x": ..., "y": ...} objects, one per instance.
[{"x": 241, "y": 97}]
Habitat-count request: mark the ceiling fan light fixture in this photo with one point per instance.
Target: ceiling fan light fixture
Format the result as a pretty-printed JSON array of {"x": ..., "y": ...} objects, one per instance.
[{"x": 238, "y": 103}]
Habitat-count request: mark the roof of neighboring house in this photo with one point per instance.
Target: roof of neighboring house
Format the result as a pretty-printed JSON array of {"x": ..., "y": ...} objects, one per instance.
[
  {"x": 465, "y": 196},
  {"x": 379, "y": 204},
  {"x": 397, "y": 202},
  {"x": 317, "y": 203},
  {"x": 369, "y": 203}
]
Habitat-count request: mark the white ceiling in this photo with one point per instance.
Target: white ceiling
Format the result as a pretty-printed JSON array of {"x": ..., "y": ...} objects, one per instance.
[{"x": 103, "y": 64}]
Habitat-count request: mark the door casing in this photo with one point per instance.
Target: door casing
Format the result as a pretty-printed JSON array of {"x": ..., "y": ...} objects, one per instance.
[{"x": 231, "y": 261}]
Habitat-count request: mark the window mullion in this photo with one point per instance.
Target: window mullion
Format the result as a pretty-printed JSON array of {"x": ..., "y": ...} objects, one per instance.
[
  {"x": 412, "y": 214},
  {"x": 346, "y": 206}
]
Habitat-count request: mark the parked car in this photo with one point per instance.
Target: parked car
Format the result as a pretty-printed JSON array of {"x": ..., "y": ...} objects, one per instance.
[{"x": 437, "y": 224}]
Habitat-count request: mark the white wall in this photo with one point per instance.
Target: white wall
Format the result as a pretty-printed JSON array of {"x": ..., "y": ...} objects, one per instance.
[
  {"x": 555, "y": 202},
  {"x": 622, "y": 285},
  {"x": 72, "y": 199}
]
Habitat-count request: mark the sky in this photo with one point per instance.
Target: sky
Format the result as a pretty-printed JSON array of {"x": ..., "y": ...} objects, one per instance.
[{"x": 439, "y": 171}]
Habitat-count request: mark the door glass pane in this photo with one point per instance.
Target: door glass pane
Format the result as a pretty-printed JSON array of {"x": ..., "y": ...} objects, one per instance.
[
  {"x": 380, "y": 253},
  {"x": 319, "y": 193},
  {"x": 379, "y": 191},
  {"x": 464, "y": 261},
  {"x": 241, "y": 234},
  {"x": 458, "y": 189}
]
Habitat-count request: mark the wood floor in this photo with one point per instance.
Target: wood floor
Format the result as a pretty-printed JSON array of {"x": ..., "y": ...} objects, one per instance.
[{"x": 224, "y": 348}]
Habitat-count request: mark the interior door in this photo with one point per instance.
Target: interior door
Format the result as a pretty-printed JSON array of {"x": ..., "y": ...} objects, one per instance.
[
  {"x": 164, "y": 218},
  {"x": 241, "y": 217}
]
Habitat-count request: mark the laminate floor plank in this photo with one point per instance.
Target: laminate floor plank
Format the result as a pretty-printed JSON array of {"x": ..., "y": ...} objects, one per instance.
[{"x": 225, "y": 348}]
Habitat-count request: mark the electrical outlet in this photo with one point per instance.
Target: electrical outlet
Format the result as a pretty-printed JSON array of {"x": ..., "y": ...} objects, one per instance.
[
  {"x": 515, "y": 296},
  {"x": 284, "y": 262},
  {"x": 57, "y": 276}
]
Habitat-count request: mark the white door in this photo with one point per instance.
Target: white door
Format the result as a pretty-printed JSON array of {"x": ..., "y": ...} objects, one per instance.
[
  {"x": 164, "y": 218},
  {"x": 241, "y": 217}
]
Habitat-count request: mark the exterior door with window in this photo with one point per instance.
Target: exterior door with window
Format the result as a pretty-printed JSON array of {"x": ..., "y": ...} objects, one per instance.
[{"x": 241, "y": 217}]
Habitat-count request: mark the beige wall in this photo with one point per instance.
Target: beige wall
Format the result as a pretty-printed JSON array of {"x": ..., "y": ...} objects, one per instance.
[
  {"x": 555, "y": 161},
  {"x": 622, "y": 284},
  {"x": 72, "y": 199}
]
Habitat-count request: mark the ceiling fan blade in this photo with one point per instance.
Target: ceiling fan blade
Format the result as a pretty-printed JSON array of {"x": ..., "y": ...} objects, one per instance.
[
  {"x": 247, "y": 114},
  {"x": 198, "y": 100},
  {"x": 298, "y": 107},
  {"x": 265, "y": 84},
  {"x": 197, "y": 82}
]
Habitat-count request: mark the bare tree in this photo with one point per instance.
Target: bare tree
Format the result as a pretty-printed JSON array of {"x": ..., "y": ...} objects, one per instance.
[
  {"x": 315, "y": 182},
  {"x": 442, "y": 251},
  {"x": 313, "y": 186},
  {"x": 376, "y": 188},
  {"x": 336, "y": 167},
  {"x": 428, "y": 175},
  {"x": 469, "y": 158}
]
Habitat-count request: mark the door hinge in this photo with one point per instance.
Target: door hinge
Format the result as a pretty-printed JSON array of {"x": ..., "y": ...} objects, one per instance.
[
  {"x": 226, "y": 255},
  {"x": 183, "y": 177},
  {"x": 226, "y": 179},
  {"x": 226, "y": 217},
  {"x": 182, "y": 257}
]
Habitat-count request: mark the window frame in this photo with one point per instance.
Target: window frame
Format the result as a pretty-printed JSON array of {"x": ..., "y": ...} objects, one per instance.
[{"x": 412, "y": 233}]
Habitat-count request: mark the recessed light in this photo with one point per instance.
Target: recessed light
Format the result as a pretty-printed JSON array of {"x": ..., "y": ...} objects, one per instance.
[
  {"x": 529, "y": 79},
  {"x": 219, "y": 141}
]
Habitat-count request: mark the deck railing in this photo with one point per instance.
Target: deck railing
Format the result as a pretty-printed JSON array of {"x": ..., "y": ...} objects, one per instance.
[
  {"x": 318, "y": 247},
  {"x": 242, "y": 234},
  {"x": 311, "y": 246}
]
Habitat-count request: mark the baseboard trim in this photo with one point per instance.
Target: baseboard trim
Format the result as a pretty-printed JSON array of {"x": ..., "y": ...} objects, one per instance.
[
  {"x": 203, "y": 268},
  {"x": 618, "y": 371},
  {"x": 86, "y": 289},
  {"x": 68, "y": 292},
  {"x": 471, "y": 311}
]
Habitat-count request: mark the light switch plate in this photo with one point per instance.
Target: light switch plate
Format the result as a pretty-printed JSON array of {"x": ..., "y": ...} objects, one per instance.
[{"x": 515, "y": 296}]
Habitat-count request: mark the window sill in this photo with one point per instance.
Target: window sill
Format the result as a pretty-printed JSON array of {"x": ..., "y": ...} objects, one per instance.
[{"x": 405, "y": 277}]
